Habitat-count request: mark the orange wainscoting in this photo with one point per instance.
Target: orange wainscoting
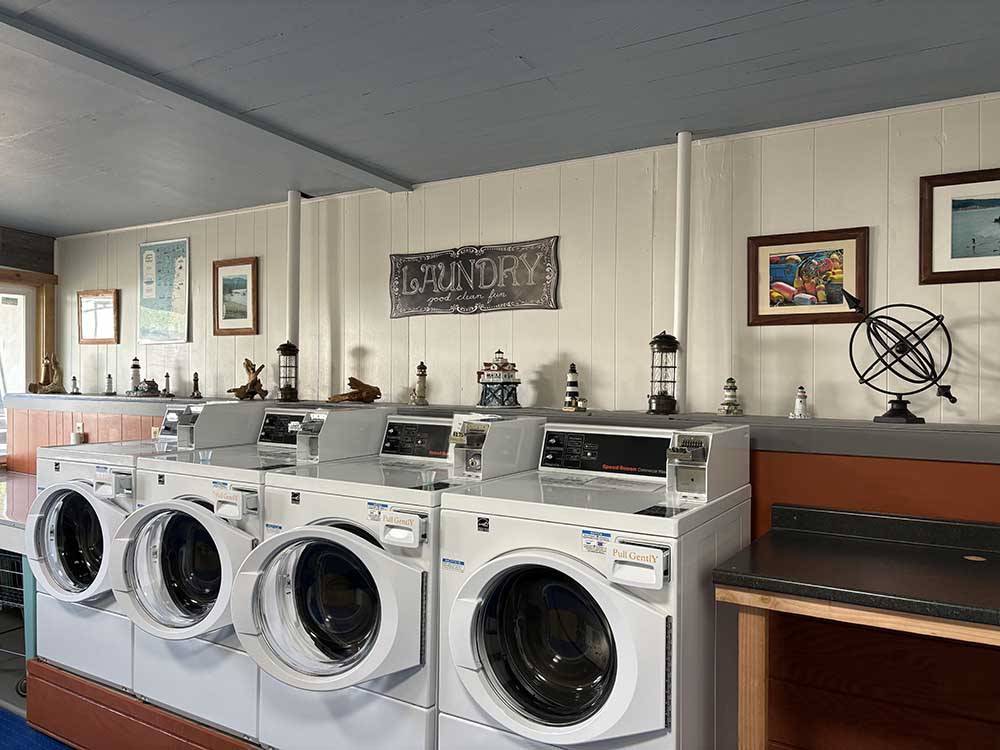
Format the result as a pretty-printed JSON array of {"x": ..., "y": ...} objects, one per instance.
[
  {"x": 89, "y": 716},
  {"x": 31, "y": 429}
]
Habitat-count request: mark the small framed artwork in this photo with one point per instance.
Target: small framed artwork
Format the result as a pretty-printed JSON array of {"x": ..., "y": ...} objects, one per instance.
[
  {"x": 234, "y": 296},
  {"x": 97, "y": 315},
  {"x": 960, "y": 227},
  {"x": 798, "y": 279}
]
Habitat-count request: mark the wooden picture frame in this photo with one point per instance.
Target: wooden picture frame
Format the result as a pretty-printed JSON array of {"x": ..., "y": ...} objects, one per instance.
[
  {"x": 98, "y": 316},
  {"x": 837, "y": 261},
  {"x": 235, "y": 309},
  {"x": 978, "y": 257},
  {"x": 163, "y": 292}
]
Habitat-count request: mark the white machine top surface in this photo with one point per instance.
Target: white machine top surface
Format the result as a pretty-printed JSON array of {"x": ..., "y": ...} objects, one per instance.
[
  {"x": 619, "y": 503},
  {"x": 246, "y": 463},
  {"x": 412, "y": 480},
  {"x": 123, "y": 453}
]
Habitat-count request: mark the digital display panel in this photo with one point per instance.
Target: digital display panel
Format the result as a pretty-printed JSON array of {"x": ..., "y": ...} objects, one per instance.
[
  {"x": 416, "y": 439},
  {"x": 280, "y": 428},
  {"x": 631, "y": 455}
]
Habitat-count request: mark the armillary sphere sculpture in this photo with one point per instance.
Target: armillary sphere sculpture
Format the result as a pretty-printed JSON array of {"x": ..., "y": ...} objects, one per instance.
[{"x": 902, "y": 350}]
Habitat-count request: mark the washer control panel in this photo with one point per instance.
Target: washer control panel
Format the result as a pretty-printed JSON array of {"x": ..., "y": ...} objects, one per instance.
[
  {"x": 416, "y": 439},
  {"x": 609, "y": 453},
  {"x": 280, "y": 427}
]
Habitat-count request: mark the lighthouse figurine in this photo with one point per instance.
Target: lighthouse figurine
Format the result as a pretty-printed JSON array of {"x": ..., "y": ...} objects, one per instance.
[
  {"x": 498, "y": 382},
  {"x": 136, "y": 375},
  {"x": 801, "y": 405},
  {"x": 572, "y": 400},
  {"x": 418, "y": 396},
  {"x": 730, "y": 406}
]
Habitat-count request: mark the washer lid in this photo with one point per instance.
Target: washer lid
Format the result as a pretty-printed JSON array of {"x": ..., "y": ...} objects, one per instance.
[
  {"x": 321, "y": 608},
  {"x": 67, "y": 540},
  {"x": 551, "y": 650},
  {"x": 172, "y": 568}
]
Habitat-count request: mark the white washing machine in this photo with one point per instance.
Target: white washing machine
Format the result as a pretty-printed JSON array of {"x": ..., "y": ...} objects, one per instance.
[
  {"x": 338, "y": 605},
  {"x": 173, "y": 560},
  {"x": 84, "y": 493},
  {"x": 576, "y": 601}
]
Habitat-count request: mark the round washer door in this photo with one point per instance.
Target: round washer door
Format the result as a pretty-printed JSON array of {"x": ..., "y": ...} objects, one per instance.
[
  {"x": 321, "y": 608},
  {"x": 551, "y": 650},
  {"x": 172, "y": 568},
  {"x": 67, "y": 540}
]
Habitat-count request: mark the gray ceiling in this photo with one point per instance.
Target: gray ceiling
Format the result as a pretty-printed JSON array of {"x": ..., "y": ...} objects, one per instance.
[{"x": 424, "y": 90}]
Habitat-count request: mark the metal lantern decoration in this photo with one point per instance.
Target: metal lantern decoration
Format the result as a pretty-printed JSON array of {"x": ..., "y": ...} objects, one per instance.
[
  {"x": 663, "y": 374},
  {"x": 288, "y": 372}
]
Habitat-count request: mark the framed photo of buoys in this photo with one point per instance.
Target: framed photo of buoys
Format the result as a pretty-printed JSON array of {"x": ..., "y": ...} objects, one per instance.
[{"x": 801, "y": 278}]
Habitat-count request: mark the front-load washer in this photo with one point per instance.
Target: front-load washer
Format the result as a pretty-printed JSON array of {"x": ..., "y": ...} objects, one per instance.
[
  {"x": 174, "y": 559},
  {"x": 84, "y": 493},
  {"x": 338, "y": 604},
  {"x": 576, "y": 600}
]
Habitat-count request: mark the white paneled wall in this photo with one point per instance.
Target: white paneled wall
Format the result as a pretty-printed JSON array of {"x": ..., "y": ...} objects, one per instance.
[
  {"x": 110, "y": 260},
  {"x": 615, "y": 218}
]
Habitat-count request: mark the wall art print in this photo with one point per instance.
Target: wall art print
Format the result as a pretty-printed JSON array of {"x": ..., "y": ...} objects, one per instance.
[
  {"x": 801, "y": 278},
  {"x": 476, "y": 278},
  {"x": 235, "y": 297},
  {"x": 960, "y": 227},
  {"x": 164, "y": 276}
]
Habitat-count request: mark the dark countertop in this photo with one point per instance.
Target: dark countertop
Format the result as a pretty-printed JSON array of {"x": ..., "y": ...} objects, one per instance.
[{"x": 913, "y": 565}]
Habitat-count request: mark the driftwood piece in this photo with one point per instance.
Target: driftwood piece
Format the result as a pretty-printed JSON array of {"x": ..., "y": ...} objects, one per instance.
[
  {"x": 362, "y": 392},
  {"x": 253, "y": 385},
  {"x": 52, "y": 377}
]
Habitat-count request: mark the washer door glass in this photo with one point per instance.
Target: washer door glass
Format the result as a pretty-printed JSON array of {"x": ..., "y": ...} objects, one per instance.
[
  {"x": 74, "y": 542},
  {"x": 176, "y": 568},
  {"x": 318, "y": 607},
  {"x": 546, "y": 645}
]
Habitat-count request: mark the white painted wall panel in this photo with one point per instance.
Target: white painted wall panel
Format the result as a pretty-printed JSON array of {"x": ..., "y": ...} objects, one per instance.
[
  {"x": 989, "y": 293},
  {"x": 602, "y": 368},
  {"x": 914, "y": 150},
  {"x": 536, "y": 332},
  {"x": 960, "y": 303},
  {"x": 851, "y": 171},
  {"x": 633, "y": 279},
  {"x": 746, "y": 201},
  {"x": 443, "y": 333},
  {"x": 786, "y": 206},
  {"x": 615, "y": 218}
]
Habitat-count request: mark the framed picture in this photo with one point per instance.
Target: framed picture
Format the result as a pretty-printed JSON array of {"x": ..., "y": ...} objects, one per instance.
[
  {"x": 97, "y": 315},
  {"x": 163, "y": 292},
  {"x": 797, "y": 279},
  {"x": 234, "y": 296},
  {"x": 960, "y": 227}
]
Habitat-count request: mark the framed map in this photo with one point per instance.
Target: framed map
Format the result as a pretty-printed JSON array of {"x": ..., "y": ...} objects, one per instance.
[{"x": 163, "y": 291}]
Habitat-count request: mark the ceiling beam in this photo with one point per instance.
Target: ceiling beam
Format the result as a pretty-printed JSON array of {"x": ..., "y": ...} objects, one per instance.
[{"x": 48, "y": 45}]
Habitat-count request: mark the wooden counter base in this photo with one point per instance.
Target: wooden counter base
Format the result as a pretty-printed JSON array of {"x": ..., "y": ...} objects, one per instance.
[
  {"x": 89, "y": 716},
  {"x": 755, "y": 611}
]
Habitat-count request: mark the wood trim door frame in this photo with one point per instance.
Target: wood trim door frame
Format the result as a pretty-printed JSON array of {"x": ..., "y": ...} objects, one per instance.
[{"x": 44, "y": 285}]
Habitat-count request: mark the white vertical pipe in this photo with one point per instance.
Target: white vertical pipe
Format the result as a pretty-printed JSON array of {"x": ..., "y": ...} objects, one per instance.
[
  {"x": 682, "y": 249},
  {"x": 294, "y": 237}
]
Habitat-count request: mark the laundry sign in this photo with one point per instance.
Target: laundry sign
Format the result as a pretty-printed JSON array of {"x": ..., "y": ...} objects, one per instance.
[{"x": 476, "y": 278}]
